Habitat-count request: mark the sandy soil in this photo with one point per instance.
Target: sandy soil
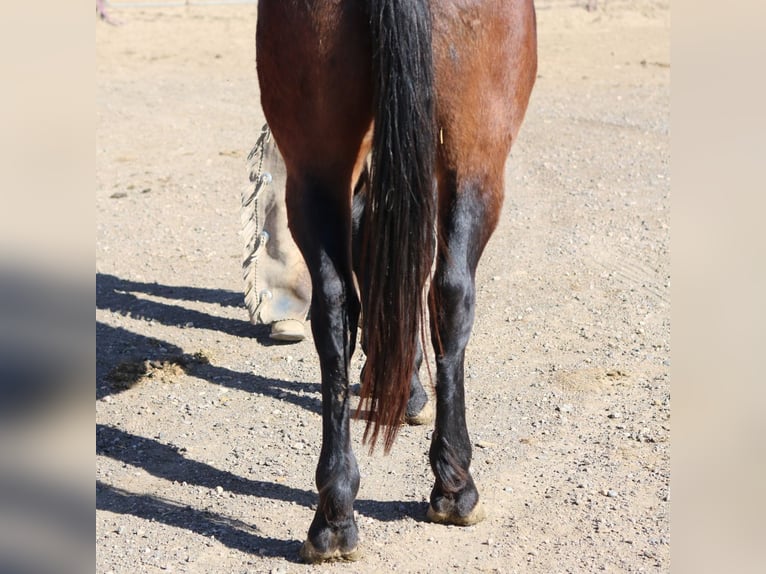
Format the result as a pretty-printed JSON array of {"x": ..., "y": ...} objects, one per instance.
[{"x": 207, "y": 434}]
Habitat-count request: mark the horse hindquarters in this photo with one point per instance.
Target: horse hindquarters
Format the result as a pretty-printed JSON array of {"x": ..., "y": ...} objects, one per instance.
[{"x": 491, "y": 51}]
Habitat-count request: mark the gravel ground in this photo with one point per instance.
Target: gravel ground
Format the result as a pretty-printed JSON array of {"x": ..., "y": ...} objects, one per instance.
[{"x": 207, "y": 433}]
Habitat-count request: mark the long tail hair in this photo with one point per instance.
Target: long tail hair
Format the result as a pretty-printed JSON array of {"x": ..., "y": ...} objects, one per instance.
[{"x": 398, "y": 237}]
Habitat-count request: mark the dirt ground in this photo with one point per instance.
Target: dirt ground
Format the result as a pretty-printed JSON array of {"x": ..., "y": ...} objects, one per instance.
[{"x": 207, "y": 434}]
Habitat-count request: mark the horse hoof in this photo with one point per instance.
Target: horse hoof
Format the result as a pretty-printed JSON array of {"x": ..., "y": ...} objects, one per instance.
[
  {"x": 424, "y": 417},
  {"x": 288, "y": 330},
  {"x": 475, "y": 516},
  {"x": 311, "y": 555}
]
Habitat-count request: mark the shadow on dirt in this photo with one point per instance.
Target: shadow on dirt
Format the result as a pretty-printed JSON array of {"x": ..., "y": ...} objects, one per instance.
[
  {"x": 168, "y": 462},
  {"x": 124, "y": 359},
  {"x": 118, "y": 295},
  {"x": 105, "y": 282},
  {"x": 229, "y": 531}
]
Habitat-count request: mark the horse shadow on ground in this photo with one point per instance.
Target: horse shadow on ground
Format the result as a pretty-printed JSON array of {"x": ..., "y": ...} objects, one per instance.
[
  {"x": 167, "y": 461},
  {"x": 117, "y": 295},
  {"x": 124, "y": 358},
  {"x": 231, "y": 532},
  {"x": 117, "y": 346}
]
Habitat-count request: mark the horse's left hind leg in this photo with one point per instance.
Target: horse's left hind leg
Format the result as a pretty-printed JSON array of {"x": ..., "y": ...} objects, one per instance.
[{"x": 321, "y": 226}]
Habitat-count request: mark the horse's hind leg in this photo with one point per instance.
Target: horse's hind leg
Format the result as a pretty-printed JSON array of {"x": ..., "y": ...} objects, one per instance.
[
  {"x": 466, "y": 221},
  {"x": 319, "y": 218},
  {"x": 313, "y": 69},
  {"x": 491, "y": 48}
]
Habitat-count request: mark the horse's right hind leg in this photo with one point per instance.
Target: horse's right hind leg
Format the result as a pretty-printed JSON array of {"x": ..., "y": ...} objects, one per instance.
[
  {"x": 478, "y": 123},
  {"x": 468, "y": 215}
]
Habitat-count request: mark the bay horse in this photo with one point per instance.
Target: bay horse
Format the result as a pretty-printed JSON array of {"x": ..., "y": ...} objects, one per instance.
[{"x": 434, "y": 92}]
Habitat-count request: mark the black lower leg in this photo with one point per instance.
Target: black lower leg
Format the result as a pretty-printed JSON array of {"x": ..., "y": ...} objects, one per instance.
[
  {"x": 454, "y": 498},
  {"x": 322, "y": 229},
  {"x": 417, "y": 413},
  {"x": 333, "y": 531}
]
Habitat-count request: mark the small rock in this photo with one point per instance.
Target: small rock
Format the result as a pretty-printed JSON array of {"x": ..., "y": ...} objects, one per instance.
[
  {"x": 565, "y": 408},
  {"x": 615, "y": 415},
  {"x": 219, "y": 490}
]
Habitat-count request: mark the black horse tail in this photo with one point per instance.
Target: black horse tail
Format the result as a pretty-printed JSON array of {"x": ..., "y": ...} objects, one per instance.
[{"x": 398, "y": 234}]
